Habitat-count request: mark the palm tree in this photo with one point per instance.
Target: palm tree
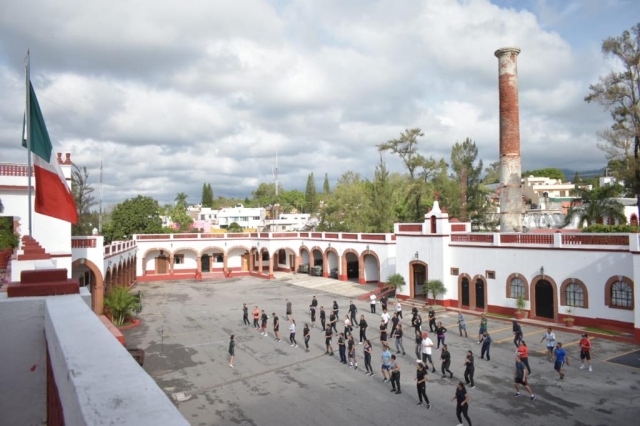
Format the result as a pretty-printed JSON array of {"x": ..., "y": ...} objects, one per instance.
[
  {"x": 435, "y": 287},
  {"x": 596, "y": 205},
  {"x": 395, "y": 282},
  {"x": 181, "y": 199}
]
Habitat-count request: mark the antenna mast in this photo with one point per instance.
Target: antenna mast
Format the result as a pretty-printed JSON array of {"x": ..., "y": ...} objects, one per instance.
[{"x": 274, "y": 210}]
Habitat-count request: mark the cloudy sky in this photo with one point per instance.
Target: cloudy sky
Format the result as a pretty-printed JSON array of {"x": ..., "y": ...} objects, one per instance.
[{"x": 171, "y": 94}]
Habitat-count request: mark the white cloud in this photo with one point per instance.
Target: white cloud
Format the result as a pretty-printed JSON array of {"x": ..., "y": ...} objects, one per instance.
[{"x": 180, "y": 94}]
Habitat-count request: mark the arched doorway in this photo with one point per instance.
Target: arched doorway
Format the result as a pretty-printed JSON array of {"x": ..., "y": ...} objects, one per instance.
[
  {"x": 351, "y": 265},
  {"x": 370, "y": 268},
  {"x": 465, "y": 292},
  {"x": 304, "y": 257},
  {"x": 237, "y": 259},
  {"x": 480, "y": 291},
  {"x": 544, "y": 299},
  {"x": 205, "y": 260},
  {"x": 316, "y": 267},
  {"x": 93, "y": 279},
  {"x": 333, "y": 267},
  {"x": 417, "y": 278}
]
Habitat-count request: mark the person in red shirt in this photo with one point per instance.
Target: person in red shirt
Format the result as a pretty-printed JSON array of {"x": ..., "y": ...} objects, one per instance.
[
  {"x": 523, "y": 353},
  {"x": 585, "y": 351}
]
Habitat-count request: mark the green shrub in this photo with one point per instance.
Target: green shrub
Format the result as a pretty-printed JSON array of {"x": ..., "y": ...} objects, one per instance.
[
  {"x": 604, "y": 229},
  {"x": 121, "y": 304}
]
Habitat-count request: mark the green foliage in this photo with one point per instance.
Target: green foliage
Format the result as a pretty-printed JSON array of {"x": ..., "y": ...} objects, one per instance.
[
  {"x": 347, "y": 208},
  {"x": 326, "y": 189},
  {"x": 596, "y": 206},
  {"x": 520, "y": 303},
  {"x": 619, "y": 92},
  {"x": 380, "y": 193},
  {"x": 492, "y": 173},
  {"x": 436, "y": 288},
  {"x": 310, "y": 196},
  {"x": 82, "y": 191},
  {"x": 234, "y": 227},
  {"x": 140, "y": 215},
  {"x": 597, "y": 228},
  {"x": 265, "y": 195},
  {"x": 180, "y": 216},
  {"x": 395, "y": 281},
  {"x": 181, "y": 200},
  {"x": 207, "y": 195},
  {"x": 121, "y": 304},
  {"x": 290, "y": 200},
  {"x": 8, "y": 238},
  {"x": 549, "y": 172}
]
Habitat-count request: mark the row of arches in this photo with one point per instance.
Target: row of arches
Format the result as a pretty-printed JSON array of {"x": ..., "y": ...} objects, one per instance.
[
  {"x": 350, "y": 265},
  {"x": 121, "y": 273}
]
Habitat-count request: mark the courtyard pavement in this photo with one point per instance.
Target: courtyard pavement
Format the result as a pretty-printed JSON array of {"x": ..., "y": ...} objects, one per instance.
[{"x": 185, "y": 333}]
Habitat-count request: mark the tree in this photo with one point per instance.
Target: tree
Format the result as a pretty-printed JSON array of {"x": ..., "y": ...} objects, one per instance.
[
  {"x": 395, "y": 282},
  {"x": 290, "y": 200},
  {"x": 265, "y": 194},
  {"x": 347, "y": 209},
  {"x": 474, "y": 204},
  {"x": 310, "y": 195},
  {"x": 492, "y": 173},
  {"x": 207, "y": 195},
  {"x": 619, "y": 92},
  {"x": 82, "y": 191},
  {"x": 140, "y": 215},
  {"x": 596, "y": 205},
  {"x": 549, "y": 172},
  {"x": 234, "y": 227},
  {"x": 326, "y": 189},
  {"x": 181, "y": 199},
  {"x": 121, "y": 304},
  {"x": 406, "y": 147},
  {"x": 180, "y": 216},
  {"x": 436, "y": 288},
  {"x": 381, "y": 200}
]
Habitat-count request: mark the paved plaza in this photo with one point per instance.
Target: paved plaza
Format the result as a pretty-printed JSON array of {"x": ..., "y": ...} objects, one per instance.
[{"x": 185, "y": 333}]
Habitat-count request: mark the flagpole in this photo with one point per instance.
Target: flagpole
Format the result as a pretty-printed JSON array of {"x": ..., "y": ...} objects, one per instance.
[{"x": 28, "y": 122}]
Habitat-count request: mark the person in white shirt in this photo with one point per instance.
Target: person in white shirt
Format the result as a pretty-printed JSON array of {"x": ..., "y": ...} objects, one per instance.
[
  {"x": 385, "y": 316},
  {"x": 427, "y": 344},
  {"x": 551, "y": 342},
  {"x": 292, "y": 334},
  {"x": 399, "y": 309},
  {"x": 372, "y": 301}
]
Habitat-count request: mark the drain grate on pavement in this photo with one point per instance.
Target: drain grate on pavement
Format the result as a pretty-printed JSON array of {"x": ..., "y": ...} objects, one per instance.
[{"x": 631, "y": 359}]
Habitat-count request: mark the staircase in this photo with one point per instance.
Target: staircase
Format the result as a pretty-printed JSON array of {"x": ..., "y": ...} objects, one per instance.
[{"x": 32, "y": 250}]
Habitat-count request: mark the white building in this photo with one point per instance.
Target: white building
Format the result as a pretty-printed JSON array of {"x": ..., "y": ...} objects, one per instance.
[{"x": 252, "y": 217}]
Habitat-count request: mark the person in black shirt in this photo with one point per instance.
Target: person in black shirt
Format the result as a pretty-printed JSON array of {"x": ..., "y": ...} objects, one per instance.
[
  {"x": 314, "y": 302},
  {"x": 264, "y": 319},
  {"x": 312, "y": 310},
  {"x": 432, "y": 319},
  {"x": 363, "y": 329},
  {"x": 418, "y": 345},
  {"x": 383, "y": 333},
  {"x": 383, "y": 302},
  {"x": 416, "y": 322},
  {"x": 351, "y": 352},
  {"x": 517, "y": 333},
  {"x": 232, "y": 349},
  {"x": 421, "y": 384},
  {"x": 395, "y": 375},
  {"x": 469, "y": 369},
  {"x": 323, "y": 318},
  {"x": 399, "y": 345},
  {"x": 414, "y": 311},
  {"x": 335, "y": 309},
  {"x": 306, "y": 333},
  {"x": 342, "y": 349},
  {"x": 328, "y": 334},
  {"x": 333, "y": 321},
  {"x": 462, "y": 403},
  {"x": 245, "y": 314},
  {"x": 394, "y": 324},
  {"x": 368, "y": 350},
  {"x": 440, "y": 331},
  {"x": 276, "y": 326},
  {"x": 445, "y": 357},
  {"x": 352, "y": 312}
]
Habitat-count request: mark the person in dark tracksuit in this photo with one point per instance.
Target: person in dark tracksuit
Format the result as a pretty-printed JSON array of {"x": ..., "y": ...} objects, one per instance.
[
  {"x": 333, "y": 320},
  {"x": 421, "y": 384},
  {"x": 432, "y": 319},
  {"x": 462, "y": 403},
  {"x": 335, "y": 309},
  {"x": 486, "y": 345},
  {"x": 352, "y": 313},
  {"x": 328, "y": 334},
  {"x": 342, "y": 348},
  {"x": 440, "y": 333},
  {"x": 517, "y": 333},
  {"x": 395, "y": 375},
  {"x": 469, "y": 369},
  {"x": 363, "y": 329},
  {"x": 306, "y": 333},
  {"x": 368, "y": 351},
  {"x": 399, "y": 334},
  {"x": 232, "y": 349},
  {"x": 323, "y": 318},
  {"x": 445, "y": 357},
  {"x": 245, "y": 314}
]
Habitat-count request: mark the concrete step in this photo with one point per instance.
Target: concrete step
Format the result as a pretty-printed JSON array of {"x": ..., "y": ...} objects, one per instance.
[{"x": 329, "y": 285}]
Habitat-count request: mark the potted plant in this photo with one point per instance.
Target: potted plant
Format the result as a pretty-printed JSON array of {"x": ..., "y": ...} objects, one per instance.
[
  {"x": 520, "y": 304},
  {"x": 569, "y": 319},
  {"x": 8, "y": 240},
  {"x": 395, "y": 282},
  {"x": 120, "y": 305},
  {"x": 436, "y": 288}
]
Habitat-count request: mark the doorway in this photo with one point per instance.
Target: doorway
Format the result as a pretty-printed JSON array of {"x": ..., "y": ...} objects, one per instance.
[
  {"x": 206, "y": 263},
  {"x": 465, "y": 291},
  {"x": 544, "y": 299},
  {"x": 161, "y": 264},
  {"x": 480, "y": 293},
  {"x": 419, "y": 278}
]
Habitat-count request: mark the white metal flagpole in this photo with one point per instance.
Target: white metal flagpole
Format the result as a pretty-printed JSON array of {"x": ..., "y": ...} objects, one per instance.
[{"x": 28, "y": 122}]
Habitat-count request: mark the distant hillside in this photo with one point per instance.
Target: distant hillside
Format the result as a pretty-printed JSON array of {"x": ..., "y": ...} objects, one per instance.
[{"x": 569, "y": 174}]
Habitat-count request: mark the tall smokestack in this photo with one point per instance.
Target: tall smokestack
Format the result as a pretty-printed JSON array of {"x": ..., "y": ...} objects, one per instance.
[{"x": 510, "y": 164}]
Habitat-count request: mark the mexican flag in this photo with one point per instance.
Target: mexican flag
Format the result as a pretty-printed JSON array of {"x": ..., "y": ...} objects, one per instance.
[{"x": 53, "y": 195}]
